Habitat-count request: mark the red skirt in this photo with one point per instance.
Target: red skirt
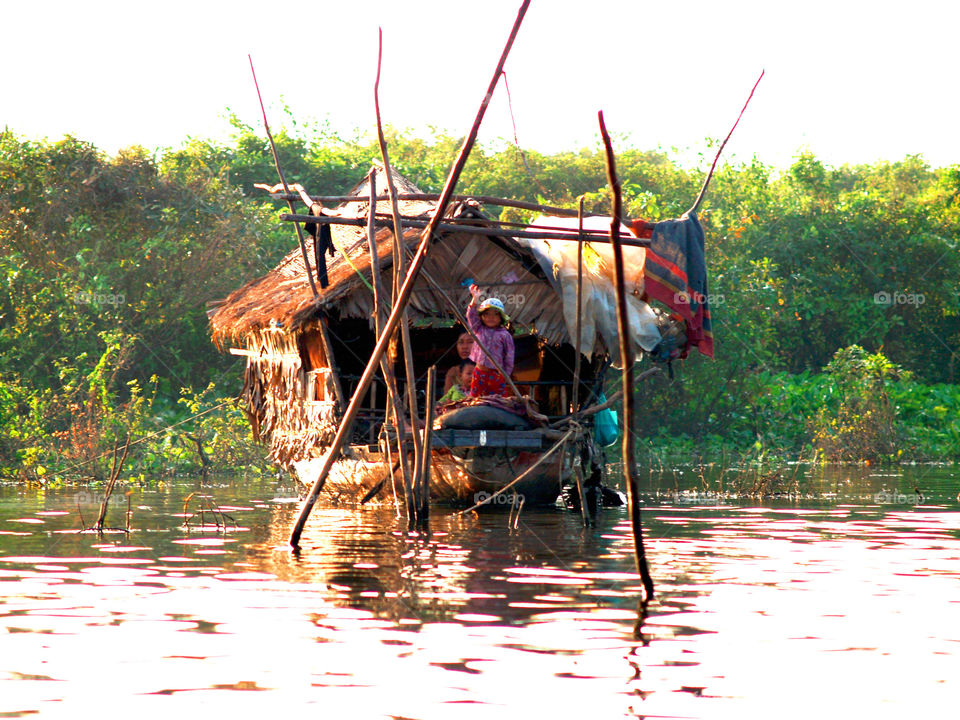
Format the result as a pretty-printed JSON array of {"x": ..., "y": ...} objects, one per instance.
[{"x": 487, "y": 382}]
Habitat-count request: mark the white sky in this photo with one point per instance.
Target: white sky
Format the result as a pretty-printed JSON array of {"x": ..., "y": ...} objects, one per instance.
[{"x": 850, "y": 81}]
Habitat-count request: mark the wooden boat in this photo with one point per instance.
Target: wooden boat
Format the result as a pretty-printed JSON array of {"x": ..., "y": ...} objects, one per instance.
[{"x": 304, "y": 352}]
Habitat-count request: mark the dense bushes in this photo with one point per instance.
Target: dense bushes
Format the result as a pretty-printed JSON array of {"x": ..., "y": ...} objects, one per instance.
[{"x": 106, "y": 264}]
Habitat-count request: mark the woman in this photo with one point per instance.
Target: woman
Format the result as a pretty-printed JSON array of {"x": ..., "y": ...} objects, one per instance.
[{"x": 464, "y": 346}]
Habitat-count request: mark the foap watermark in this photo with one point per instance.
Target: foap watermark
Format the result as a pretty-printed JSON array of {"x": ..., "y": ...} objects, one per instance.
[
  {"x": 510, "y": 299},
  {"x": 698, "y": 298},
  {"x": 694, "y": 497},
  {"x": 501, "y": 499},
  {"x": 895, "y": 497},
  {"x": 99, "y": 299},
  {"x": 86, "y": 497},
  {"x": 898, "y": 297}
]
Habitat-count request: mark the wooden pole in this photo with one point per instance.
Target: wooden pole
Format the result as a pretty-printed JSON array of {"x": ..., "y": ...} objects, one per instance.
[
  {"x": 403, "y": 296},
  {"x": 283, "y": 181},
  {"x": 482, "y": 199},
  {"x": 399, "y": 270},
  {"x": 454, "y": 225},
  {"x": 626, "y": 360},
  {"x": 574, "y": 405},
  {"x": 706, "y": 182},
  {"x": 393, "y": 395},
  {"x": 423, "y": 476},
  {"x": 576, "y": 344}
]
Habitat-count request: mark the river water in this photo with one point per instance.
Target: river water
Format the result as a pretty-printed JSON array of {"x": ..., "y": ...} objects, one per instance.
[{"x": 839, "y": 598}]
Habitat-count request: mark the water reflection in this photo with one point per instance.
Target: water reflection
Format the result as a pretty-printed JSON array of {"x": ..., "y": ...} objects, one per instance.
[{"x": 763, "y": 606}]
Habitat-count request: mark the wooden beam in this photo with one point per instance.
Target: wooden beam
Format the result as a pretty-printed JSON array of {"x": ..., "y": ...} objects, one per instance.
[
  {"x": 572, "y": 236},
  {"x": 482, "y": 199}
]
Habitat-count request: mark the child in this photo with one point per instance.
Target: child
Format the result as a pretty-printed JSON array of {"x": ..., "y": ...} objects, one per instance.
[
  {"x": 460, "y": 389},
  {"x": 487, "y": 323}
]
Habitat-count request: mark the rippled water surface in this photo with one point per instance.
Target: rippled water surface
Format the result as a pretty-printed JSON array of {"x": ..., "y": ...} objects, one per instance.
[{"x": 842, "y": 601}]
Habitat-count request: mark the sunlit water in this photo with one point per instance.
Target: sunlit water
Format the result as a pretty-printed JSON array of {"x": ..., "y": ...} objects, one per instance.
[{"x": 842, "y": 601}]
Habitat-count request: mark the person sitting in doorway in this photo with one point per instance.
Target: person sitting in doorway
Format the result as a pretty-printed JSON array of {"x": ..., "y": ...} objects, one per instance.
[{"x": 464, "y": 346}]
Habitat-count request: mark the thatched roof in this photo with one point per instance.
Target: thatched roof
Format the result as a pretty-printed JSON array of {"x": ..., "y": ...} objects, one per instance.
[{"x": 504, "y": 267}]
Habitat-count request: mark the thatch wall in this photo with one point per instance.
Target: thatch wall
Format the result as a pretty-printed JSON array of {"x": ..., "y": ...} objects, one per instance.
[{"x": 283, "y": 404}]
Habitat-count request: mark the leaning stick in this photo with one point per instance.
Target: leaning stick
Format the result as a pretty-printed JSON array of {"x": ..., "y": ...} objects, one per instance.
[
  {"x": 403, "y": 296},
  {"x": 610, "y": 402},
  {"x": 706, "y": 182},
  {"x": 283, "y": 181},
  {"x": 626, "y": 360}
]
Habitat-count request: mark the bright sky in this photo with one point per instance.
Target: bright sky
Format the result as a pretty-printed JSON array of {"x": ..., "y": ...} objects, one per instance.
[{"x": 850, "y": 81}]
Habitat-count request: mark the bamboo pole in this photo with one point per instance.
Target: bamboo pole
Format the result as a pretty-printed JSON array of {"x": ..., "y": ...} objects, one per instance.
[
  {"x": 482, "y": 199},
  {"x": 574, "y": 405},
  {"x": 393, "y": 395},
  {"x": 403, "y": 296},
  {"x": 283, "y": 181},
  {"x": 399, "y": 268},
  {"x": 706, "y": 182},
  {"x": 626, "y": 360},
  {"x": 451, "y": 225},
  {"x": 423, "y": 475},
  {"x": 576, "y": 345}
]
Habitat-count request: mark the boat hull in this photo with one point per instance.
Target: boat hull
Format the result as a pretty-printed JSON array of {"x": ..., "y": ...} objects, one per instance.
[{"x": 462, "y": 476}]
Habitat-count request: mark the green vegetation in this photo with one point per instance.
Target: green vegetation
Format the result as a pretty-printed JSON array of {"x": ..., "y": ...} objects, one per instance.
[{"x": 834, "y": 294}]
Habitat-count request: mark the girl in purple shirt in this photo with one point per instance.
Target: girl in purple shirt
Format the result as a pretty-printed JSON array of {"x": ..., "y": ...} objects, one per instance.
[{"x": 487, "y": 323}]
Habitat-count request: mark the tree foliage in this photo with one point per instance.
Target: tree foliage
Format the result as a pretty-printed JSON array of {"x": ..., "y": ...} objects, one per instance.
[{"x": 106, "y": 264}]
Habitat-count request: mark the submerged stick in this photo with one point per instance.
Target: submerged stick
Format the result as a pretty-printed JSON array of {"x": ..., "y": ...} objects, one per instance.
[
  {"x": 626, "y": 360},
  {"x": 403, "y": 296},
  {"x": 115, "y": 471},
  {"x": 283, "y": 181},
  {"x": 706, "y": 182}
]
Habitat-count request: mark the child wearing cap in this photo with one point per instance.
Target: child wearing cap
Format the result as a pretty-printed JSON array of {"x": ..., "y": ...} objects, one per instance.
[{"x": 487, "y": 323}]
